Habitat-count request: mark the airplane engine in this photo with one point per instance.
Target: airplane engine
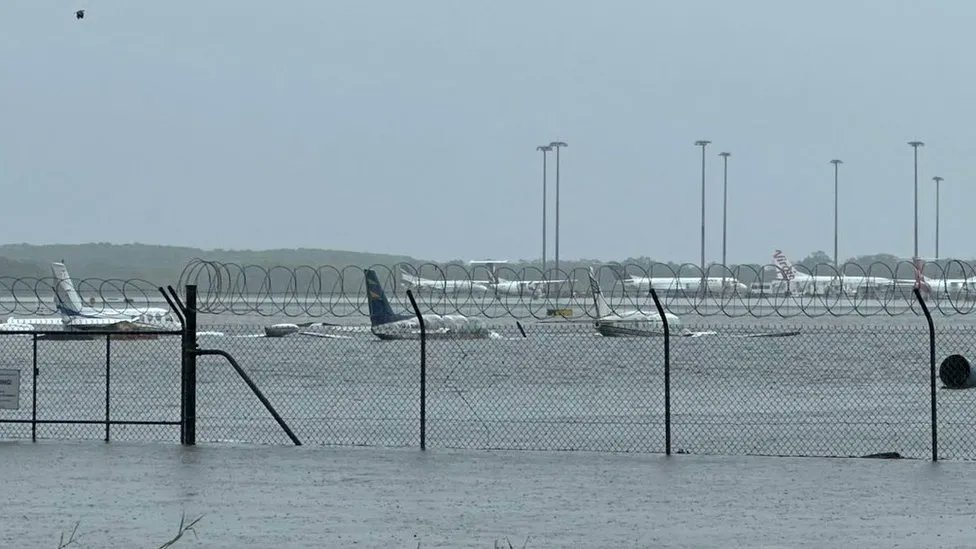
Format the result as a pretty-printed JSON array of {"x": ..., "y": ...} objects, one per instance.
[{"x": 956, "y": 373}]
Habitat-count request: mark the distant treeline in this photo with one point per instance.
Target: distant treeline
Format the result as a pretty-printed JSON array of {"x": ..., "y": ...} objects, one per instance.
[{"x": 162, "y": 265}]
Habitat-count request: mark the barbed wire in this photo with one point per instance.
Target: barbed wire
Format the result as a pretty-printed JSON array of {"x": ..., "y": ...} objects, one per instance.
[
  {"x": 759, "y": 291},
  {"x": 35, "y": 295}
]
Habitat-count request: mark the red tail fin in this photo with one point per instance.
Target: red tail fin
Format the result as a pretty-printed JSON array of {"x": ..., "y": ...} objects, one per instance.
[{"x": 785, "y": 267}]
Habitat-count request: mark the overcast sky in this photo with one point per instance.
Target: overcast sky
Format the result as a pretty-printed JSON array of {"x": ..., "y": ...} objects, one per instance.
[{"x": 411, "y": 127}]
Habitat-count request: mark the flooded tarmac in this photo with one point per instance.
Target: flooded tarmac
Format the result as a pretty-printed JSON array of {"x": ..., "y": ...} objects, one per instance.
[{"x": 133, "y": 495}]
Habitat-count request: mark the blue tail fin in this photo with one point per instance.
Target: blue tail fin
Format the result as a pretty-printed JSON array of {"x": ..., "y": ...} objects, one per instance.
[{"x": 380, "y": 311}]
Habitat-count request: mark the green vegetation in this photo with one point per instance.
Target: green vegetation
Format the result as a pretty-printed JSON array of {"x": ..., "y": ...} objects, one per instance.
[{"x": 162, "y": 264}]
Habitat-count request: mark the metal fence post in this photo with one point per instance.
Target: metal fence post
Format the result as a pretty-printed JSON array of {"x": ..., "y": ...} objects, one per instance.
[
  {"x": 423, "y": 371},
  {"x": 189, "y": 419},
  {"x": 34, "y": 371},
  {"x": 667, "y": 373},
  {"x": 935, "y": 424},
  {"x": 108, "y": 376}
]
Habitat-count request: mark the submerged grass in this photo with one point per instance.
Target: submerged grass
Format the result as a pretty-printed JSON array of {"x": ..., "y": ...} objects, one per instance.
[{"x": 183, "y": 528}]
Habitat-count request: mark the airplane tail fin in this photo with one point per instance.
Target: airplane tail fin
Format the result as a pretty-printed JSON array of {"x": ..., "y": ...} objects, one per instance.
[
  {"x": 920, "y": 280},
  {"x": 409, "y": 279},
  {"x": 618, "y": 270},
  {"x": 66, "y": 298},
  {"x": 786, "y": 271},
  {"x": 602, "y": 309},
  {"x": 380, "y": 311}
]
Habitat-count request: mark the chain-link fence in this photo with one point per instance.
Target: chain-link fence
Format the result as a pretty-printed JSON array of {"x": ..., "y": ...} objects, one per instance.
[
  {"x": 771, "y": 390},
  {"x": 957, "y": 399},
  {"x": 558, "y": 387},
  {"x": 90, "y": 385},
  {"x": 824, "y": 389},
  {"x": 550, "y": 388},
  {"x": 828, "y": 390},
  {"x": 330, "y": 387}
]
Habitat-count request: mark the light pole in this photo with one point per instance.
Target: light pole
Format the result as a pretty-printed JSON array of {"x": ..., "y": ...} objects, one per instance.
[
  {"x": 545, "y": 149},
  {"x": 836, "y": 164},
  {"x": 937, "y": 180},
  {"x": 915, "y": 145},
  {"x": 557, "y": 145},
  {"x": 702, "y": 144},
  {"x": 725, "y": 202}
]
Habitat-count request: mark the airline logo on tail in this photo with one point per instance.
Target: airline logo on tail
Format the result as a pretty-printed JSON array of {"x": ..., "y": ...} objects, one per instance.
[
  {"x": 785, "y": 267},
  {"x": 380, "y": 311},
  {"x": 920, "y": 282}
]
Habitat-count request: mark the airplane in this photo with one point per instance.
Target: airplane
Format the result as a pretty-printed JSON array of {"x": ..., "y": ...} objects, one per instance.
[
  {"x": 687, "y": 284},
  {"x": 520, "y": 288},
  {"x": 386, "y": 325},
  {"x": 75, "y": 315},
  {"x": 788, "y": 279},
  {"x": 611, "y": 323},
  {"x": 529, "y": 288},
  {"x": 443, "y": 286}
]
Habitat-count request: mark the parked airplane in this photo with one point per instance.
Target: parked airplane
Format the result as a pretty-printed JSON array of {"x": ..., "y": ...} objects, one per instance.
[
  {"x": 75, "y": 315},
  {"x": 443, "y": 286},
  {"x": 788, "y": 279},
  {"x": 523, "y": 288},
  {"x": 627, "y": 323},
  {"x": 685, "y": 284},
  {"x": 385, "y": 324}
]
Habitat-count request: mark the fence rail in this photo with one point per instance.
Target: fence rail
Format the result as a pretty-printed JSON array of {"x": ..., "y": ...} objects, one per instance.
[{"x": 94, "y": 384}]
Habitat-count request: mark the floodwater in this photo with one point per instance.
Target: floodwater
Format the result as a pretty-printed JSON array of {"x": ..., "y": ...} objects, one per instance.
[
  {"x": 133, "y": 495},
  {"x": 843, "y": 386}
]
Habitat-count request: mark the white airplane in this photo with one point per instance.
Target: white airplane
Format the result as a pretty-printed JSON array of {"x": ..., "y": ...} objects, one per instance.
[
  {"x": 687, "y": 284},
  {"x": 519, "y": 288},
  {"x": 443, "y": 286},
  {"x": 788, "y": 279},
  {"x": 385, "y": 324},
  {"x": 530, "y": 288},
  {"x": 75, "y": 315},
  {"x": 627, "y": 323}
]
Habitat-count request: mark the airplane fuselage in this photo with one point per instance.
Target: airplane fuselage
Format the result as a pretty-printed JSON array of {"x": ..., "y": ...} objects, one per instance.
[
  {"x": 684, "y": 284},
  {"x": 635, "y": 324},
  {"x": 446, "y": 286},
  {"x": 437, "y": 327}
]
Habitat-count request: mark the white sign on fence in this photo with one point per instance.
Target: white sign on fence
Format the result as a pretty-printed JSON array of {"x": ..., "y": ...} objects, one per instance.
[{"x": 9, "y": 389}]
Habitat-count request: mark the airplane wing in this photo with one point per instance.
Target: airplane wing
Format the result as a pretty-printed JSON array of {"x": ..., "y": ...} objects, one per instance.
[
  {"x": 324, "y": 335},
  {"x": 787, "y": 333},
  {"x": 36, "y": 321},
  {"x": 533, "y": 283}
]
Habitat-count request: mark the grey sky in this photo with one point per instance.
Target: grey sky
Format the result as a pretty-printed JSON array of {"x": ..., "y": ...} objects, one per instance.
[{"x": 410, "y": 127}]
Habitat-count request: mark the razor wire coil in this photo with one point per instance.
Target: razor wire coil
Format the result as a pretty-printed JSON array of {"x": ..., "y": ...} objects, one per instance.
[
  {"x": 526, "y": 293},
  {"x": 877, "y": 290}
]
